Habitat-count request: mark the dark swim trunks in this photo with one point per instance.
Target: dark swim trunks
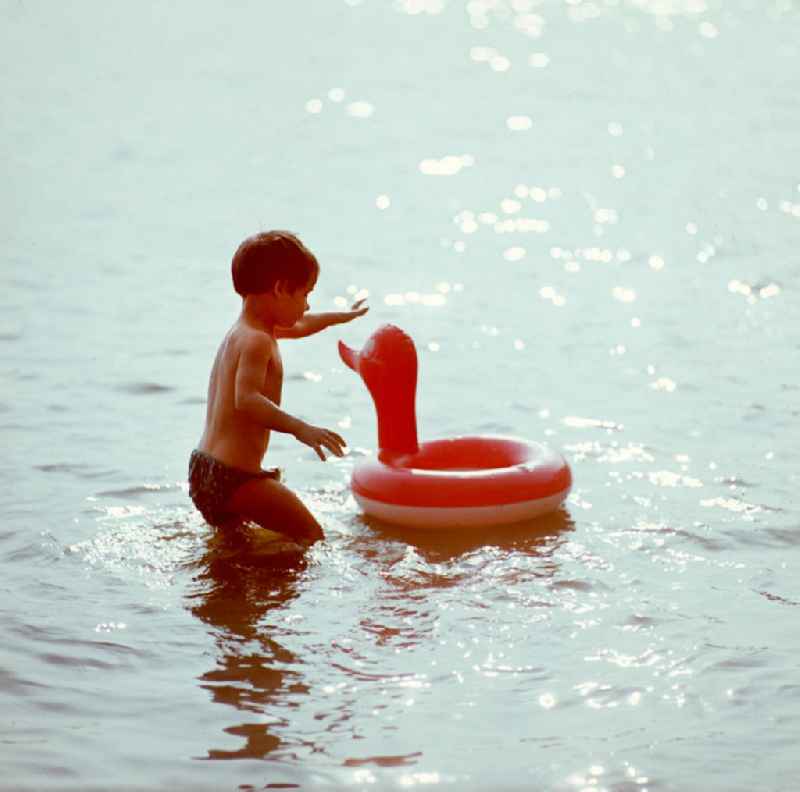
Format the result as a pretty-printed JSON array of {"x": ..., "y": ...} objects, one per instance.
[{"x": 211, "y": 484}]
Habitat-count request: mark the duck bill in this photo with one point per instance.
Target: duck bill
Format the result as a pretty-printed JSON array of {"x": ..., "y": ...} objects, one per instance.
[{"x": 349, "y": 356}]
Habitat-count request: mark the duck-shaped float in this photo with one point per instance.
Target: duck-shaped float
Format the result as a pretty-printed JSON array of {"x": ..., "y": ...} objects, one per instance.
[{"x": 454, "y": 482}]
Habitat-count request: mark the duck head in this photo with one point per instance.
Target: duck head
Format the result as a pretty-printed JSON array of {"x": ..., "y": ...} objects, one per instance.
[{"x": 388, "y": 366}]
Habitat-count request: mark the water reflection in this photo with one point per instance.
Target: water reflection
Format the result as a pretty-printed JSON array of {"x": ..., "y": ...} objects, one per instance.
[
  {"x": 237, "y": 588},
  {"x": 237, "y": 585},
  {"x": 532, "y": 537}
]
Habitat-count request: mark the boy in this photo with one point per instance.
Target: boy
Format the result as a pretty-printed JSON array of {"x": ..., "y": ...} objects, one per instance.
[{"x": 274, "y": 273}]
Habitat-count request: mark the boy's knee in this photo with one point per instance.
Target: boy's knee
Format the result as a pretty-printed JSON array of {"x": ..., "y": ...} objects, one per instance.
[{"x": 314, "y": 532}]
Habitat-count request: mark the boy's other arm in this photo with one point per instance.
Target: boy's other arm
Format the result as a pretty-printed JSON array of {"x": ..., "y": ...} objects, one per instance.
[
  {"x": 315, "y": 322},
  {"x": 251, "y": 373},
  {"x": 248, "y": 398}
]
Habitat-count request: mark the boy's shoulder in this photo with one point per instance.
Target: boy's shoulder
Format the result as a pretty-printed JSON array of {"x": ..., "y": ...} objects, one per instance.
[{"x": 245, "y": 336}]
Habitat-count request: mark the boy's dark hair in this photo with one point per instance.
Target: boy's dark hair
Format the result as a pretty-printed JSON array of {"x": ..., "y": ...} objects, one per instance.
[{"x": 271, "y": 256}]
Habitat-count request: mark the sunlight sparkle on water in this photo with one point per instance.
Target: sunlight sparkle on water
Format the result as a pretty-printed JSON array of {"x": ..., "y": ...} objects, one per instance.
[
  {"x": 664, "y": 384},
  {"x": 549, "y": 293},
  {"x": 731, "y": 505},
  {"x": 520, "y": 123},
  {"x": 787, "y": 207},
  {"x": 415, "y": 7},
  {"x": 446, "y": 166},
  {"x": 605, "y": 216},
  {"x": 708, "y": 30},
  {"x": 540, "y": 195},
  {"x": 547, "y": 701},
  {"x": 494, "y": 59},
  {"x": 107, "y": 627},
  {"x": 577, "y": 422},
  {"x": 666, "y": 478},
  {"x": 360, "y": 109},
  {"x": 413, "y": 779},
  {"x": 623, "y": 294},
  {"x": 514, "y": 254},
  {"x": 753, "y": 292}
]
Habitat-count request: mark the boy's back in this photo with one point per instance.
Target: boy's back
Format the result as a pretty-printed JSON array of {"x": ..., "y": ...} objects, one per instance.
[{"x": 231, "y": 435}]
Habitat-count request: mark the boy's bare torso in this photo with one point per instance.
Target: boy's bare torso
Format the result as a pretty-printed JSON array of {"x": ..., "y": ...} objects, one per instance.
[{"x": 230, "y": 435}]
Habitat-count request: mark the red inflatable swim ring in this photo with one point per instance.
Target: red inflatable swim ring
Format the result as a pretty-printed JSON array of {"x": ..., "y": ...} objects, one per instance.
[{"x": 458, "y": 481}]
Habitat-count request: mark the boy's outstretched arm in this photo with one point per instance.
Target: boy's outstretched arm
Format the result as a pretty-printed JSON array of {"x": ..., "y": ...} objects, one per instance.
[{"x": 314, "y": 322}]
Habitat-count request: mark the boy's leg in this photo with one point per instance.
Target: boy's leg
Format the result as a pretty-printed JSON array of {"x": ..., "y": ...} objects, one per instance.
[{"x": 272, "y": 505}]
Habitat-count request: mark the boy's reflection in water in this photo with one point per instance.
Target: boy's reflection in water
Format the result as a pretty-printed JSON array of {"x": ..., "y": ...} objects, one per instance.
[{"x": 234, "y": 590}]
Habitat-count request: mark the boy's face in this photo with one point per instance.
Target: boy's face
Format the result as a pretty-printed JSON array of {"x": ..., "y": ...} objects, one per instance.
[{"x": 291, "y": 304}]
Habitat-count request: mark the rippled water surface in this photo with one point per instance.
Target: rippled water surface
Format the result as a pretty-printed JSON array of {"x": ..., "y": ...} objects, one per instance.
[{"x": 587, "y": 215}]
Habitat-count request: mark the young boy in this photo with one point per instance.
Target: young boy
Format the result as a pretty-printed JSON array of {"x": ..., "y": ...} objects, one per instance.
[{"x": 274, "y": 273}]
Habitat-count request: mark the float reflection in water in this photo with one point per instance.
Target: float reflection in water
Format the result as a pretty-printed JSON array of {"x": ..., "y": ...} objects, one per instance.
[{"x": 454, "y": 482}]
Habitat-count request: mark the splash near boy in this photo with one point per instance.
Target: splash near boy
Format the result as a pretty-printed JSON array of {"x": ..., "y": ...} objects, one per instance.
[{"x": 274, "y": 273}]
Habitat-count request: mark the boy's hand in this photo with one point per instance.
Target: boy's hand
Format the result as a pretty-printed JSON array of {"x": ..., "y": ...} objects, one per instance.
[
  {"x": 355, "y": 311},
  {"x": 319, "y": 438}
]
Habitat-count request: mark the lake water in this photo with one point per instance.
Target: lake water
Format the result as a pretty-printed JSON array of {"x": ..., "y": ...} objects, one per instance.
[{"x": 587, "y": 215}]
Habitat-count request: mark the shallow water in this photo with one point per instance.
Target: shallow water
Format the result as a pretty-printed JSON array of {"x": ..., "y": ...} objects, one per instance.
[{"x": 587, "y": 214}]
